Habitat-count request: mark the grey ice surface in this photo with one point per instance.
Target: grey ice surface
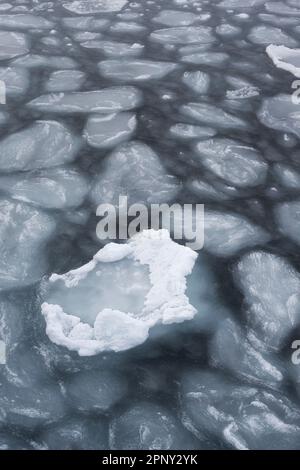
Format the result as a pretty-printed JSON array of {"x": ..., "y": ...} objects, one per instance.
[{"x": 165, "y": 101}]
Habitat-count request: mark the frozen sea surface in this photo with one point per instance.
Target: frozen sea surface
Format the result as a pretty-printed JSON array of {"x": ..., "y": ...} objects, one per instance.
[{"x": 148, "y": 344}]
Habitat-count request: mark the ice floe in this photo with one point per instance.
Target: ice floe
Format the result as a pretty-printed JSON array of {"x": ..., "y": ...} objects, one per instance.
[
  {"x": 265, "y": 35},
  {"x": 285, "y": 58},
  {"x": 227, "y": 233},
  {"x": 197, "y": 81},
  {"x": 135, "y": 70},
  {"x": 213, "y": 116},
  {"x": 24, "y": 232},
  {"x": 55, "y": 188},
  {"x": 148, "y": 278},
  {"x": 114, "y": 48},
  {"x": 175, "y": 18},
  {"x": 237, "y": 163},
  {"x": 12, "y": 44},
  {"x": 108, "y": 100},
  {"x": 272, "y": 306},
  {"x": 106, "y": 131},
  {"x": 24, "y": 21},
  {"x": 134, "y": 170},
  {"x": 287, "y": 215},
  {"x": 22, "y": 150},
  {"x": 65, "y": 80},
  {"x": 280, "y": 113},
  {"x": 184, "y": 35},
  {"x": 86, "y": 7},
  {"x": 241, "y": 416},
  {"x": 16, "y": 80}
]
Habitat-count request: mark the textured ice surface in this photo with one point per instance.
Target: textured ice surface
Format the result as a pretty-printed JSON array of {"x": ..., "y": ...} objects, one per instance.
[
  {"x": 242, "y": 417},
  {"x": 114, "y": 48},
  {"x": 99, "y": 101},
  {"x": 230, "y": 343},
  {"x": 238, "y": 164},
  {"x": 24, "y": 21},
  {"x": 24, "y": 232},
  {"x": 151, "y": 427},
  {"x": 212, "y": 116},
  {"x": 227, "y": 234},
  {"x": 287, "y": 215},
  {"x": 16, "y": 80},
  {"x": 285, "y": 58},
  {"x": 135, "y": 70},
  {"x": 189, "y": 131},
  {"x": 175, "y": 18},
  {"x": 55, "y": 188},
  {"x": 86, "y": 7},
  {"x": 184, "y": 35},
  {"x": 265, "y": 35},
  {"x": 22, "y": 150},
  {"x": 280, "y": 113},
  {"x": 272, "y": 306},
  {"x": 106, "y": 131},
  {"x": 12, "y": 44},
  {"x": 148, "y": 278},
  {"x": 197, "y": 81},
  {"x": 65, "y": 80},
  {"x": 134, "y": 170}
]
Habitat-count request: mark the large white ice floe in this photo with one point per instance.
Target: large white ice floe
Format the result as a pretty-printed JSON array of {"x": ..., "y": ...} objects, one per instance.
[
  {"x": 86, "y": 7},
  {"x": 285, "y": 58},
  {"x": 112, "y": 302},
  {"x": 135, "y": 70}
]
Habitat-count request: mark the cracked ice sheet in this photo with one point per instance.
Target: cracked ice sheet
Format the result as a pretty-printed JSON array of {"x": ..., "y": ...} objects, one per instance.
[{"x": 149, "y": 278}]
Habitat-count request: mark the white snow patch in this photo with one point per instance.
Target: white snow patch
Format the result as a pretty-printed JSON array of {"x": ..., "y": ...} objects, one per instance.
[{"x": 285, "y": 58}]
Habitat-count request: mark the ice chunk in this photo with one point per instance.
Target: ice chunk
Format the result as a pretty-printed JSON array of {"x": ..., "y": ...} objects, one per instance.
[
  {"x": 287, "y": 176},
  {"x": 23, "y": 234},
  {"x": 135, "y": 171},
  {"x": 24, "y": 21},
  {"x": 85, "y": 23},
  {"x": 285, "y": 58},
  {"x": 106, "y": 131},
  {"x": 213, "y": 116},
  {"x": 16, "y": 80},
  {"x": 282, "y": 9},
  {"x": 108, "y": 100},
  {"x": 189, "y": 131},
  {"x": 240, "y": 4},
  {"x": 271, "y": 289},
  {"x": 95, "y": 391},
  {"x": 175, "y": 18},
  {"x": 266, "y": 35},
  {"x": 184, "y": 35},
  {"x": 150, "y": 427},
  {"x": 228, "y": 30},
  {"x": 144, "y": 278},
  {"x": 114, "y": 48},
  {"x": 198, "y": 81},
  {"x": 29, "y": 408},
  {"x": 86, "y": 7},
  {"x": 65, "y": 80},
  {"x": 76, "y": 434},
  {"x": 227, "y": 233},
  {"x": 206, "y": 58},
  {"x": 47, "y": 62},
  {"x": 12, "y": 44},
  {"x": 235, "y": 162},
  {"x": 22, "y": 150},
  {"x": 135, "y": 70},
  {"x": 288, "y": 219},
  {"x": 230, "y": 343},
  {"x": 280, "y": 113},
  {"x": 122, "y": 27},
  {"x": 243, "y": 417},
  {"x": 55, "y": 188}
]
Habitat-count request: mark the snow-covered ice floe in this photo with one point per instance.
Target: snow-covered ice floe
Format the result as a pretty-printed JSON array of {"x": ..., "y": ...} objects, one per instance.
[
  {"x": 146, "y": 278},
  {"x": 285, "y": 58},
  {"x": 86, "y": 7}
]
